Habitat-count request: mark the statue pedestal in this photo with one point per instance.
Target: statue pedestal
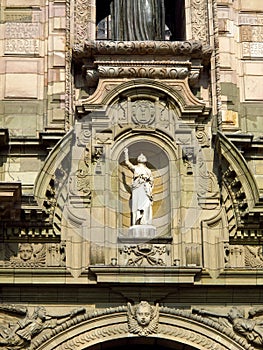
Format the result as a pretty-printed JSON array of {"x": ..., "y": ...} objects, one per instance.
[{"x": 142, "y": 232}]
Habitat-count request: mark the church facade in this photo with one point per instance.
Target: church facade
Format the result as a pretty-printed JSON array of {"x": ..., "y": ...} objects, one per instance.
[{"x": 131, "y": 175}]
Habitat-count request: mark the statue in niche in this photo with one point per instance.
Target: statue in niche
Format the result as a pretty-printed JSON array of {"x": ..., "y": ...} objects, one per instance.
[
  {"x": 142, "y": 186},
  {"x": 143, "y": 318},
  {"x": 250, "y": 328},
  {"x": 137, "y": 20},
  {"x": 20, "y": 334}
]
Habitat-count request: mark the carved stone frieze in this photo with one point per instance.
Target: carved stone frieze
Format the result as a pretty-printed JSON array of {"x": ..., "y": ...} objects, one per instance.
[
  {"x": 84, "y": 21},
  {"x": 143, "y": 318},
  {"x": 79, "y": 183},
  {"x": 193, "y": 49},
  {"x": 144, "y": 255},
  {"x": 250, "y": 327},
  {"x": 140, "y": 319},
  {"x": 19, "y": 332},
  {"x": 199, "y": 15},
  {"x": 142, "y": 71},
  {"x": 33, "y": 255},
  {"x": 254, "y": 256}
]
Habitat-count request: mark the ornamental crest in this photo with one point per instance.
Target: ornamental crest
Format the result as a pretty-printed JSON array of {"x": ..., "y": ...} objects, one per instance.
[{"x": 143, "y": 112}]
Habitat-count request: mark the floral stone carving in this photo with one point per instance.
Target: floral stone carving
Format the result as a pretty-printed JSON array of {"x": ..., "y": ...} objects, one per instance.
[{"x": 143, "y": 318}]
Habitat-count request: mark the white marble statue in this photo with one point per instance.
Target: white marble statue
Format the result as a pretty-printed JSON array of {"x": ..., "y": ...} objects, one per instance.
[{"x": 142, "y": 186}]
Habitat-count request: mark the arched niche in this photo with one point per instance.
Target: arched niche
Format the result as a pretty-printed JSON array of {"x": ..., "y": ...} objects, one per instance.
[
  {"x": 158, "y": 163},
  {"x": 163, "y": 160}
]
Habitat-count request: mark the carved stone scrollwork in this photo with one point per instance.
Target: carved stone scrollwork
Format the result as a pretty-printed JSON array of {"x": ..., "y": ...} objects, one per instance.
[
  {"x": 33, "y": 255},
  {"x": 254, "y": 256},
  {"x": 144, "y": 255},
  {"x": 199, "y": 20},
  {"x": 19, "y": 332},
  {"x": 141, "y": 72},
  {"x": 194, "y": 48},
  {"x": 202, "y": 136},
  {"x": 143, "y": 318},
  {"x": 250, "y": 327}
]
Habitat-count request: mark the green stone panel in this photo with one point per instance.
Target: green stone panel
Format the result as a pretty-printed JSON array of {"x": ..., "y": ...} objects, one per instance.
[
  {"x": 232, "y": 92},
  {"x": 22, "y": 118},
  {"x": 253, "y": 114}
]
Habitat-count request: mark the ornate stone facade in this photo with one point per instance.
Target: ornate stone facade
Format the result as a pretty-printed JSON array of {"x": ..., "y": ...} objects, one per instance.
[{"x": 79, "y": 265}]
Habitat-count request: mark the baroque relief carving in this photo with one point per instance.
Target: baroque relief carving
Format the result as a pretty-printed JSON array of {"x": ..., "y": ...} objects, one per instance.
[
  {"x": 18, "y": 334},
  {"x": 251, "y": 327},
  {"x": 254, "y": 256},
  {"x": 84, "y": 12},
  {"x": 143, "y": 112},
  {"x": 145, "y": 255},
  {"x": 33, "y": 255},
  {"x": 79, "y": 182},
  {"x": 142, "y": 71},
  {"x": 199, "y": 20},
  {"x": 143, "y": 318},
  {"x": 194, "y": 48}
]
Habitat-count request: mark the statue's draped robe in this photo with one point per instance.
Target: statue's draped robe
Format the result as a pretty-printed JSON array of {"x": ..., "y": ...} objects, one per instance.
[{"x": 137, "y": 20}]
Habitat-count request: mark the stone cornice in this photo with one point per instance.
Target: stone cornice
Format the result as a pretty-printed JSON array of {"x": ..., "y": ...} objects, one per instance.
[
  {"x": 194, "y": 49},
  {"x": 173, "y": 274}
]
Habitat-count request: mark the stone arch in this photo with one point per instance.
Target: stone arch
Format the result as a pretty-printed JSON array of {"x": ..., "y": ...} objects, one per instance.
[
  {"x": 174, "y": 327},
  {"x": 178, "y": 91},
  {"x": 51, "y": 180}
]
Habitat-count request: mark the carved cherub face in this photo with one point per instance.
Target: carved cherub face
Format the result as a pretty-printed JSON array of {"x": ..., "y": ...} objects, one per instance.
[
  {"x": 234, "y": 313},
  {"x": 25, "y": 251},
  {"x": 143, "y": 314},
  {"x": 40, "y": 312}
]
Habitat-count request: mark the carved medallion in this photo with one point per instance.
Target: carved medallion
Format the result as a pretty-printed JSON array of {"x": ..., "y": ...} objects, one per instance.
[{"x": 143, "y": 112}]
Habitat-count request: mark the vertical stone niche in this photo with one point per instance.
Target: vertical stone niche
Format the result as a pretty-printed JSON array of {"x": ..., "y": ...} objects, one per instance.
[{"x": 145, "y": 247}]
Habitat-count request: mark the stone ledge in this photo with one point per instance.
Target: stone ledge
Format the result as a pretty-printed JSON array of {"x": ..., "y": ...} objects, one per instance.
[
  {"x": 168, "y": 48},
  {"x": 119, "y": 274}
]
